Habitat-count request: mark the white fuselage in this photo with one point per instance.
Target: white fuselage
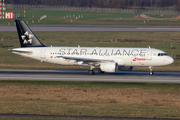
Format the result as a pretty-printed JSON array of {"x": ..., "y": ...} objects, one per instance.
[{"x": 122, "y": 56}]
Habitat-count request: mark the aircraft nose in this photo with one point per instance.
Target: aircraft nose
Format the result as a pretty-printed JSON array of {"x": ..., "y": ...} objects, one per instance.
[{"x": 170, "y": 60}]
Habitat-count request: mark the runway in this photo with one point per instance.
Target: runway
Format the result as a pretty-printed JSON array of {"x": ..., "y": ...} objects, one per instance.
[
  {"x": 92, "y": 28},
  {"x": 81, "y": 75}
]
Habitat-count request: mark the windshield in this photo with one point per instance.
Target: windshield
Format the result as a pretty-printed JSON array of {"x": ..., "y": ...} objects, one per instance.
[{"x": 162, "y": 54}]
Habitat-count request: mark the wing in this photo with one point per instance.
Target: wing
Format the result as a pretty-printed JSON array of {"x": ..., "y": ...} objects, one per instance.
[
  {"x": 80, "y": 59},
  {"x": 86, "y": 60}
]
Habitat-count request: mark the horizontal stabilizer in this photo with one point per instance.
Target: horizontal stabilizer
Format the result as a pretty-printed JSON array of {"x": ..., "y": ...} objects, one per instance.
[{"x": 20, "y": 51}]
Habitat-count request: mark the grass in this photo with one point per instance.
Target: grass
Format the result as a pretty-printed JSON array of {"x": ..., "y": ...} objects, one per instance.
[
  {"x": 159, "y": 40},
  {"x": 89, "y": 18},
  {"x": 57, "y": 17},
  {"x": 147, "y": 100},
  {"x": 29, "y": 118},
  {"x": 12, "y": 118},
  {"x": 91, "y": 84}
]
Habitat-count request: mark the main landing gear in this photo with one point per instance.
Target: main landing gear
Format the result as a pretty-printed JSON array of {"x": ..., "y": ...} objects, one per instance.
[
  {"x": 151, "y": 71},
  {"x": 91, "y": 72}
]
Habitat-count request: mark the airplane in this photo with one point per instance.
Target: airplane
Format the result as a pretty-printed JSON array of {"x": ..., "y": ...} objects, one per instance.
[{"x": 105, "y": 59}]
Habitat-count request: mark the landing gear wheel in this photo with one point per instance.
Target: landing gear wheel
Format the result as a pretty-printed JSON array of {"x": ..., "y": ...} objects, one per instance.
[
  {"x": 151, "y": 73},
  {"x": 100, "y": 71},
  {"x": 91, "y": 72}
]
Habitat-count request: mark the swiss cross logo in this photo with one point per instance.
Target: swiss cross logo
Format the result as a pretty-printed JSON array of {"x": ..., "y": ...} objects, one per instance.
[{"x": 139, "y": 59}]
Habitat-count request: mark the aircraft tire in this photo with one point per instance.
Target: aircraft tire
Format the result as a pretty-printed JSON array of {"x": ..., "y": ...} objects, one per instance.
[
  {"x": 91, "y": 72},
  {"x": 151, "y": 73}
]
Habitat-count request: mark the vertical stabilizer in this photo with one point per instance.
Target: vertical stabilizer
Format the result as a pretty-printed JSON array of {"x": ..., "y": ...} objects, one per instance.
[{"x": 26, "y": 37}]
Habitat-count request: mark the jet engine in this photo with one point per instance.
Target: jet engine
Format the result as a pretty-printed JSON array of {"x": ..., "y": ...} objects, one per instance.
[
  {"x": 125, "y": 68},
  {"x": 108, "y": 66}
]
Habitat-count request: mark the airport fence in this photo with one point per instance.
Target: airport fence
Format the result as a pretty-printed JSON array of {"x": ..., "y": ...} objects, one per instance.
[{"x": 92, "y": 9}]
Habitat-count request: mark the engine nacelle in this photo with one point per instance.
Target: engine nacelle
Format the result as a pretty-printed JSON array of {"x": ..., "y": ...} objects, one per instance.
[
  {"x": 125, "y": 68},
  {"x": 108, "y": 66}
]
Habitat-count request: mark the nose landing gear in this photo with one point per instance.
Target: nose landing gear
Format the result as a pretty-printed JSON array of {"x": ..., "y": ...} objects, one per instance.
[{"x": 151, "y": 71}]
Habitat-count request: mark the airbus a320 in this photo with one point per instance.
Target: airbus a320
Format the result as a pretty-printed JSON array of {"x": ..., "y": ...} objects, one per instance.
[{"x": 105, "y": 59}]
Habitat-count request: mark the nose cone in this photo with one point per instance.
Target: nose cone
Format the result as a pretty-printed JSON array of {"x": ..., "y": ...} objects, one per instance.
[{"x": 170, "y": 60}]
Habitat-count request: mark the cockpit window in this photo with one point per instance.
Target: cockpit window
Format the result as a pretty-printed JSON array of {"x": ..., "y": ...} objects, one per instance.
[{"x": 162, "y": 54}]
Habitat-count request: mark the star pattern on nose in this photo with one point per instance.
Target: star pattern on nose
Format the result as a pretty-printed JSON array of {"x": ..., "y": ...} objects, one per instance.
[{"x": 27, "y": 37}]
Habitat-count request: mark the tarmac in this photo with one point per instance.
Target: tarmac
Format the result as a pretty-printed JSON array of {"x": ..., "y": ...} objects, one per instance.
[
  {"x": 92, "y": 28},
  {"x": 82, "y": 75}
]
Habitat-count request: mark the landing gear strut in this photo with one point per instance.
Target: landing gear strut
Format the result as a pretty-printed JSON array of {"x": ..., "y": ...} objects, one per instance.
[{"x": 151, "y": 71}]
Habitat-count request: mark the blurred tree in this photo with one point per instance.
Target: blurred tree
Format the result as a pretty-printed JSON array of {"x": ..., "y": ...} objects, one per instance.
[
  {"x": 118, "y": 3},
  {"x": 177, "y": 7},
  {"x": 100, "y": 3}
]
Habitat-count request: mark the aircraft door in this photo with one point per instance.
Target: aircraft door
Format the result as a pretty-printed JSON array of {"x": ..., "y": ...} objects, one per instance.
[
  {"x": 149, "y": 54},
  {"x": 43, "y": 55}
]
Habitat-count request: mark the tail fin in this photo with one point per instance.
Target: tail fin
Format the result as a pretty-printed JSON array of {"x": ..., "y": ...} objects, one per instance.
[{"x": 26, "y": 37}]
